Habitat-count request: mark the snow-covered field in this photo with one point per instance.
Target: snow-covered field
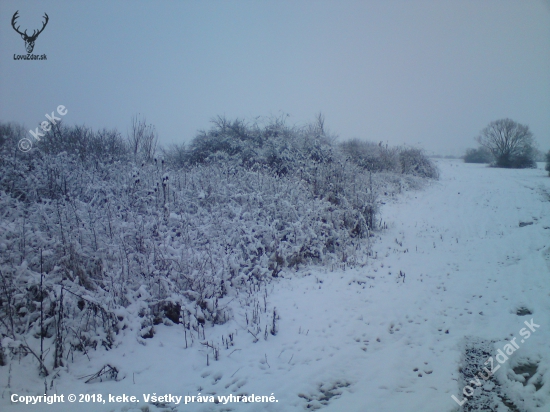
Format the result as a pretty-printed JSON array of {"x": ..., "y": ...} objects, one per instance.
[{"x": 457, "y": 263}]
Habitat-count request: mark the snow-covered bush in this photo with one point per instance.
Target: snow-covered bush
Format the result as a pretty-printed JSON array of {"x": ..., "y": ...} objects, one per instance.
[
  {"x": 374, "y": 157},
  {"x": 523, "y": 160},
  {"x": 308, "y": 155},
  {"x": 282, "y": 148},
  {"x": 10, "y": 134},
  {"x": 547, "y": 167},
  {"x": 415, "y": 162},
  {"x": 175, "y": 156},
  {"x": 479, "y": 155},
  {"x": 103, "y": 145}
]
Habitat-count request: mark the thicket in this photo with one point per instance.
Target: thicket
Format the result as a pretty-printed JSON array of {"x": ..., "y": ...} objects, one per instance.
[
  {"x": 375, "y": 157},
  {"x": 100, "y": 233}
]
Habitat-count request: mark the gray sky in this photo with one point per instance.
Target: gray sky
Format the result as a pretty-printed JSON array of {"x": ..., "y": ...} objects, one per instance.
[{"x": 424, "y": 73}]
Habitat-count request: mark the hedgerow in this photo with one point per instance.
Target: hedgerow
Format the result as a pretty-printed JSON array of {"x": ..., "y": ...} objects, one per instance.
[{"x": 95, "y": 240}]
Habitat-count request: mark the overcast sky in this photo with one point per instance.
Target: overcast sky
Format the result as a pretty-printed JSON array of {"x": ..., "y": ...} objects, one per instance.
[{"x": 423, "y": 73}]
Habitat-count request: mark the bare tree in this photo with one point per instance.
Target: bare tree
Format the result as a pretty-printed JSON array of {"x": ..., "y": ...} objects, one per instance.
[
  {"x": 510, "y": 143},
  {"x": 142, "y": 138},
  {"x": 320, "y": 123}
]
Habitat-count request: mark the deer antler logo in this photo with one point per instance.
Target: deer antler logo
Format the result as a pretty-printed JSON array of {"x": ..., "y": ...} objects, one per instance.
[{"x": 29, "y": 40}]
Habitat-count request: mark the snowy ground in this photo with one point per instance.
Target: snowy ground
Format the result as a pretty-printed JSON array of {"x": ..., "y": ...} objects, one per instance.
[{"x": 365, "y": 339}]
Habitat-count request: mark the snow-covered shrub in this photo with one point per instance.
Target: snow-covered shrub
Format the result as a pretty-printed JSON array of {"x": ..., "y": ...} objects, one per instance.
[
  {"x": 547, "y": 167},
  {"x": 523, "y": 160},
  {"x": 10, "y": 134},
  {"x": 282, "y": 148},
  {"x": 415, "y": 162},
  {"x": 374, "y": 157},
  {"x": 479, "y": 155},
  {"x": 103, "y": 145},
  {"x": 175, "y": 156},
  {"x": 309, "y": 154}
]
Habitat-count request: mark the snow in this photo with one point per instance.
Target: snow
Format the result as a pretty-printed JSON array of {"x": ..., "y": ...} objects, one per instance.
[{"x": 361, "y": 339}]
